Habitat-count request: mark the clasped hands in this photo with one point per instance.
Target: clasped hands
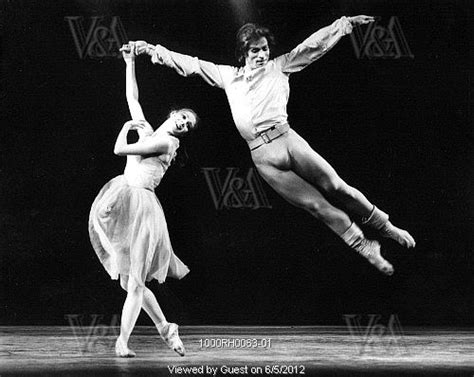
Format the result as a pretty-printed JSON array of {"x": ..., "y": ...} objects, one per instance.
[
  {"x": 134, "y": 48},
  {"x": 360, "y": 20}
]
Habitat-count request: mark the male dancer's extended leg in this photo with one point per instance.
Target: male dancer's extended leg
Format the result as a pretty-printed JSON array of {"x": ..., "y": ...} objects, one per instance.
[
  {"x": 300, "y": 193},
  {"x": 315, "y": 169}
]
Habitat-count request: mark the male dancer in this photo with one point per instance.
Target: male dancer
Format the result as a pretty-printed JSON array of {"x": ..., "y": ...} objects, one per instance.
[{"x": 258, "y": 94}]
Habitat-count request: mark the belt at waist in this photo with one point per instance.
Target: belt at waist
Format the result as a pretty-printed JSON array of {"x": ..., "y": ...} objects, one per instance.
[{"x": 267, "y": 136}]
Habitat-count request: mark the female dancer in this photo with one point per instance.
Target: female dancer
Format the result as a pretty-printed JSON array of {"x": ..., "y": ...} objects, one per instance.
[
  {"x": 127, "y": 226},
  {"x": 258, "y": 95}
]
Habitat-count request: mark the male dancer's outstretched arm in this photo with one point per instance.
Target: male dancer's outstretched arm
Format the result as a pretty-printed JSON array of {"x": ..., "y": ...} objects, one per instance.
[{"x": 311, "y": 49}]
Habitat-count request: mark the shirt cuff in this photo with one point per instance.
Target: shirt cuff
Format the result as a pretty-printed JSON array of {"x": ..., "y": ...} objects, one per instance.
[{"x": 152, "y": 50}]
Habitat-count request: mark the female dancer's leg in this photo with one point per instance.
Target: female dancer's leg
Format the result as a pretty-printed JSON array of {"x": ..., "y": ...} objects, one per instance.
[
  {"x": 130, "y": 312},
  {"x": 168, "y": 331}
]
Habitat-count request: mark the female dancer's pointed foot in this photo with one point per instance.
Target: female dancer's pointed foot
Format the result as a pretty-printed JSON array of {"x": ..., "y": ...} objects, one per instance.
[
  {"x": 121, "y": 349},
  {"x": 399, "y": 235},
  {"x": 370, "y": 249},
  {"x": 170, "y": 335}
]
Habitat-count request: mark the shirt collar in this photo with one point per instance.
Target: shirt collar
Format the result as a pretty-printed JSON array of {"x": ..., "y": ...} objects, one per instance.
[{"x": 246, "y": 72}]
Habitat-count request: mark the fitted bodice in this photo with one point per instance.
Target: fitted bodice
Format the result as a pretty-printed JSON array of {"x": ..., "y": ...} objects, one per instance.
[{"x": 147, "y": 172}]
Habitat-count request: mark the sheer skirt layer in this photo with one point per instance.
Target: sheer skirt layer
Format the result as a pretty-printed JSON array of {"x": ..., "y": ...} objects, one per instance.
[{"x": 128, "y": 231}]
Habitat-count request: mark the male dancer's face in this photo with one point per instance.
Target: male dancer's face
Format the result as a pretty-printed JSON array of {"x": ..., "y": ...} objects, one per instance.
[{"x": 257, "y": 54}]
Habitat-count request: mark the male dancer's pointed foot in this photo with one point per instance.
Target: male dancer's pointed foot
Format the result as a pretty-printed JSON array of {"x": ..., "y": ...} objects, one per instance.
[
  {"x": 121, "y": 349},
  {"x": 370, "y": 249},
  {"x": 170, "y": 335},
  {"x": 399, "y": 235}
]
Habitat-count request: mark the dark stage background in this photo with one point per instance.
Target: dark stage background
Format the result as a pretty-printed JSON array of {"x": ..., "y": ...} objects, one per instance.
[{"x": 397, "y": 127}]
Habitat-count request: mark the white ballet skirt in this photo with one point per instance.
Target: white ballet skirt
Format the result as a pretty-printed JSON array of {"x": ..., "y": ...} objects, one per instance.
[{"x": 127, "y": 226}]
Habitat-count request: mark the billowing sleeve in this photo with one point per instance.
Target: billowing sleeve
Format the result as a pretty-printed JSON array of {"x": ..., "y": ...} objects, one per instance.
[
  {"x": 313, "y": 47},
  {"x": 186, "y": 65}
]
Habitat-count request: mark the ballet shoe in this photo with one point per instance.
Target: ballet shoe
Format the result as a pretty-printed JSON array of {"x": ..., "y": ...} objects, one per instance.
[
  {"x": 399, "y": 235},
  {"x": 121, "y": 349},
  {"x": 169, "y": 333},
  {"x": 370, "y": 249}
]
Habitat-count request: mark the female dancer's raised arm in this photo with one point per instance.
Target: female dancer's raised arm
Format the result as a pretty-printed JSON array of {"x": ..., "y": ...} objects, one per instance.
[{"x": 131, "y": 83}]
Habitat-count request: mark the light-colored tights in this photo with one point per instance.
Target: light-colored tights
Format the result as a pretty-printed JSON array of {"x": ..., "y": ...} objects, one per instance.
[{"x": 138, "y": 297}]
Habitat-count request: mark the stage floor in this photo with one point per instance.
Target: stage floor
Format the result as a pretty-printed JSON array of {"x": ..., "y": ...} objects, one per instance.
[{"x": 227, "y": 350}]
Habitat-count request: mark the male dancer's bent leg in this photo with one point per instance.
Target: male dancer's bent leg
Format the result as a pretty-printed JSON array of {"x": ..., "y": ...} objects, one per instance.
[
  {"x": 311, "y": 166},
  {"x": 301, "y": 194}
]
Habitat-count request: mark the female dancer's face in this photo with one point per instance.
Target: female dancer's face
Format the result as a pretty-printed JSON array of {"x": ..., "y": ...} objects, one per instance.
[
  {"x": 257, "y": 54},
  {"x": 183, "y": 121}
]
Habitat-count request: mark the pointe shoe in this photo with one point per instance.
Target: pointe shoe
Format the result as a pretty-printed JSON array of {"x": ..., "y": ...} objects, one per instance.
[
  {"x": 399, "y": 235},
  {"x": 121, "y": 349},
  {"x": 170, "y": 335},
  {"x": 370, "y": 249}
]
